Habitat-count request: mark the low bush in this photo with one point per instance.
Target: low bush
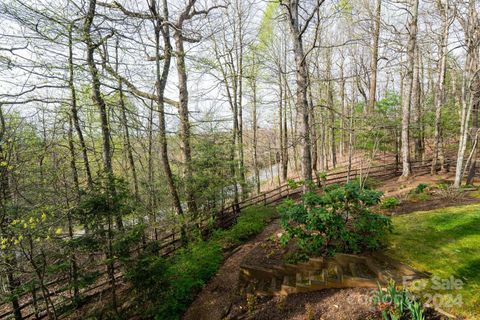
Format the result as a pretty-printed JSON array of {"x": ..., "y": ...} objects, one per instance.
[
  {"x": 421, "y": 188},
  {"x": 419, "y": 197},
  {"x": 164, "y": 287},
  {"x": 395, "y": 304},
  {"x": 443, "y": 185},
  {"x": 250, "y": 222},
  {"x": 338, "y": 220},
  {"x": 389, "y": 202}
]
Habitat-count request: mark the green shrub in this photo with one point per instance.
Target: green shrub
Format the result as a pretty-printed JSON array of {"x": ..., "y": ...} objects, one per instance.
[
  {"x": 389, "y": 202},
  {"x": 420, "y": 188},
  {"x": 443, "y": 185},
  {"x": 395, "y": 304},
  {"x": 338, "y": 220},
  {"x": 292, "y": 184}
]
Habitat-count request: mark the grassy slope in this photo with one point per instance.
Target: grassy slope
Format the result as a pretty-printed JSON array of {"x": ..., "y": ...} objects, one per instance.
[{"x": 445, "y": 242}]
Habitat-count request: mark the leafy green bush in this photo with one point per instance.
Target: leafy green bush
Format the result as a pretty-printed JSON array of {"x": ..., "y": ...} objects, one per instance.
[
  {"x": 420, "y": 188},
  {"x": 389, "y": 202},
  {"x": 397, "y": 304},
  {"x": 338, "y": 220},
  {"x": 164, "y": 287}
]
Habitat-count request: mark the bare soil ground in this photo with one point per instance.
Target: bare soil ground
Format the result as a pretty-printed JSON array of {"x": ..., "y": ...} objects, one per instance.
[
  {"x": 395, "y": 188},
  {"x": 328, "y": 304},
  {"x": 431, "y": 204},
  {"x": 436, "y": 200}
]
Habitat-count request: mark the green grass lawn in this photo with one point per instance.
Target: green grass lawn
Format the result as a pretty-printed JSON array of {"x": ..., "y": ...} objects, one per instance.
[{"x": 445, "y": 242}]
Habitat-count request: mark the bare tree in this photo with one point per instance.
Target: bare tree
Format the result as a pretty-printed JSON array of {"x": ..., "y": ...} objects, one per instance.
[
  {"x": 443, "y": 8},
  {"x": 470, "y": 85},
  {"x": 374, "y": 58},
  {"x": 297, "y": 30},
  {"x": 408, "y": 85}
]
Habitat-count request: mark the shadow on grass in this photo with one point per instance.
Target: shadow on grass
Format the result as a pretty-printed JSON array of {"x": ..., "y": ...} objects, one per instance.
[
  {"x": 442, "y": 229},
  {"x": 445, "y": 242},
  {"x": 470, "y": 271}
]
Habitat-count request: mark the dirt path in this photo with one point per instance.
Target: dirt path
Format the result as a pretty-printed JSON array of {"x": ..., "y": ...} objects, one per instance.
[
  {"x": 220, "y": 298},
  {"x": 217, "y": 297}
]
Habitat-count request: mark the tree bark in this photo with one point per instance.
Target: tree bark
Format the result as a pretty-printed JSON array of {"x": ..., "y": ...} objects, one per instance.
[
  {"x": 73, "y": 167},
  {"x": 128, "y": 144},
  {"x": 253, "y": 84},
  {"x": 407, "y": 97},
  {"x": 161, "y": 82},
  {"x": 471, "y": 84},
  {"x": 184, "y": 113},
  {"x": 100, "y": 104},
  {"x": 440, "y": 87},
  {"x": 74, "y": 109},
  {"x": 374, "y": 57},
  {"x": 301, "y": 95},
  {"x": 416, "y": 108}
]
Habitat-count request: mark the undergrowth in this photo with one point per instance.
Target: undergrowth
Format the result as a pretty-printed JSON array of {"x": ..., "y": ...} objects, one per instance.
[
  {"x": 164, "y": 287},
  {"x": 396, "y": 304}
]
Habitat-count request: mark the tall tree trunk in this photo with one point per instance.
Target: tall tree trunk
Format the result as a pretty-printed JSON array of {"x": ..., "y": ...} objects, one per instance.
[
  {"x": 407, "y": 97},
  {"x": 331, "y": 108},
  {"x": 474, "y": 134},
  {"x": 470, "y": 85},
  {"x": 302, "y": 83},
  {"x": 239, "y": 56},
  {"x": 128, "y": 144},
  {"x": 253, "y": 84},
  {"x": 285, "y": 138},
  {"x": 286, "y": 105},
  {"x": 343, "y": 136},
  {"x": 416, "y": 108},
  {"x": 313, "y": 133},
  {"x": 374, "y": 57},
  {"x": 150, "y": 172},
  {"x": 74, "y": 109},
  {"x": 161, "y": 82},
  {"x": 184, "y": 119},
  {"x": 281, "y": 93},
  {"x": 73, "y": 258},
  {"x": 333, "y": 147},
  {"x": 440, "y": 87},
  {"x": 100, "y": 104}
]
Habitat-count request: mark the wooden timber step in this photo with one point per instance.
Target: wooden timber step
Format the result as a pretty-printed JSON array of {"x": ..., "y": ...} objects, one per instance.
[{"x": 340, "y": 271}]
